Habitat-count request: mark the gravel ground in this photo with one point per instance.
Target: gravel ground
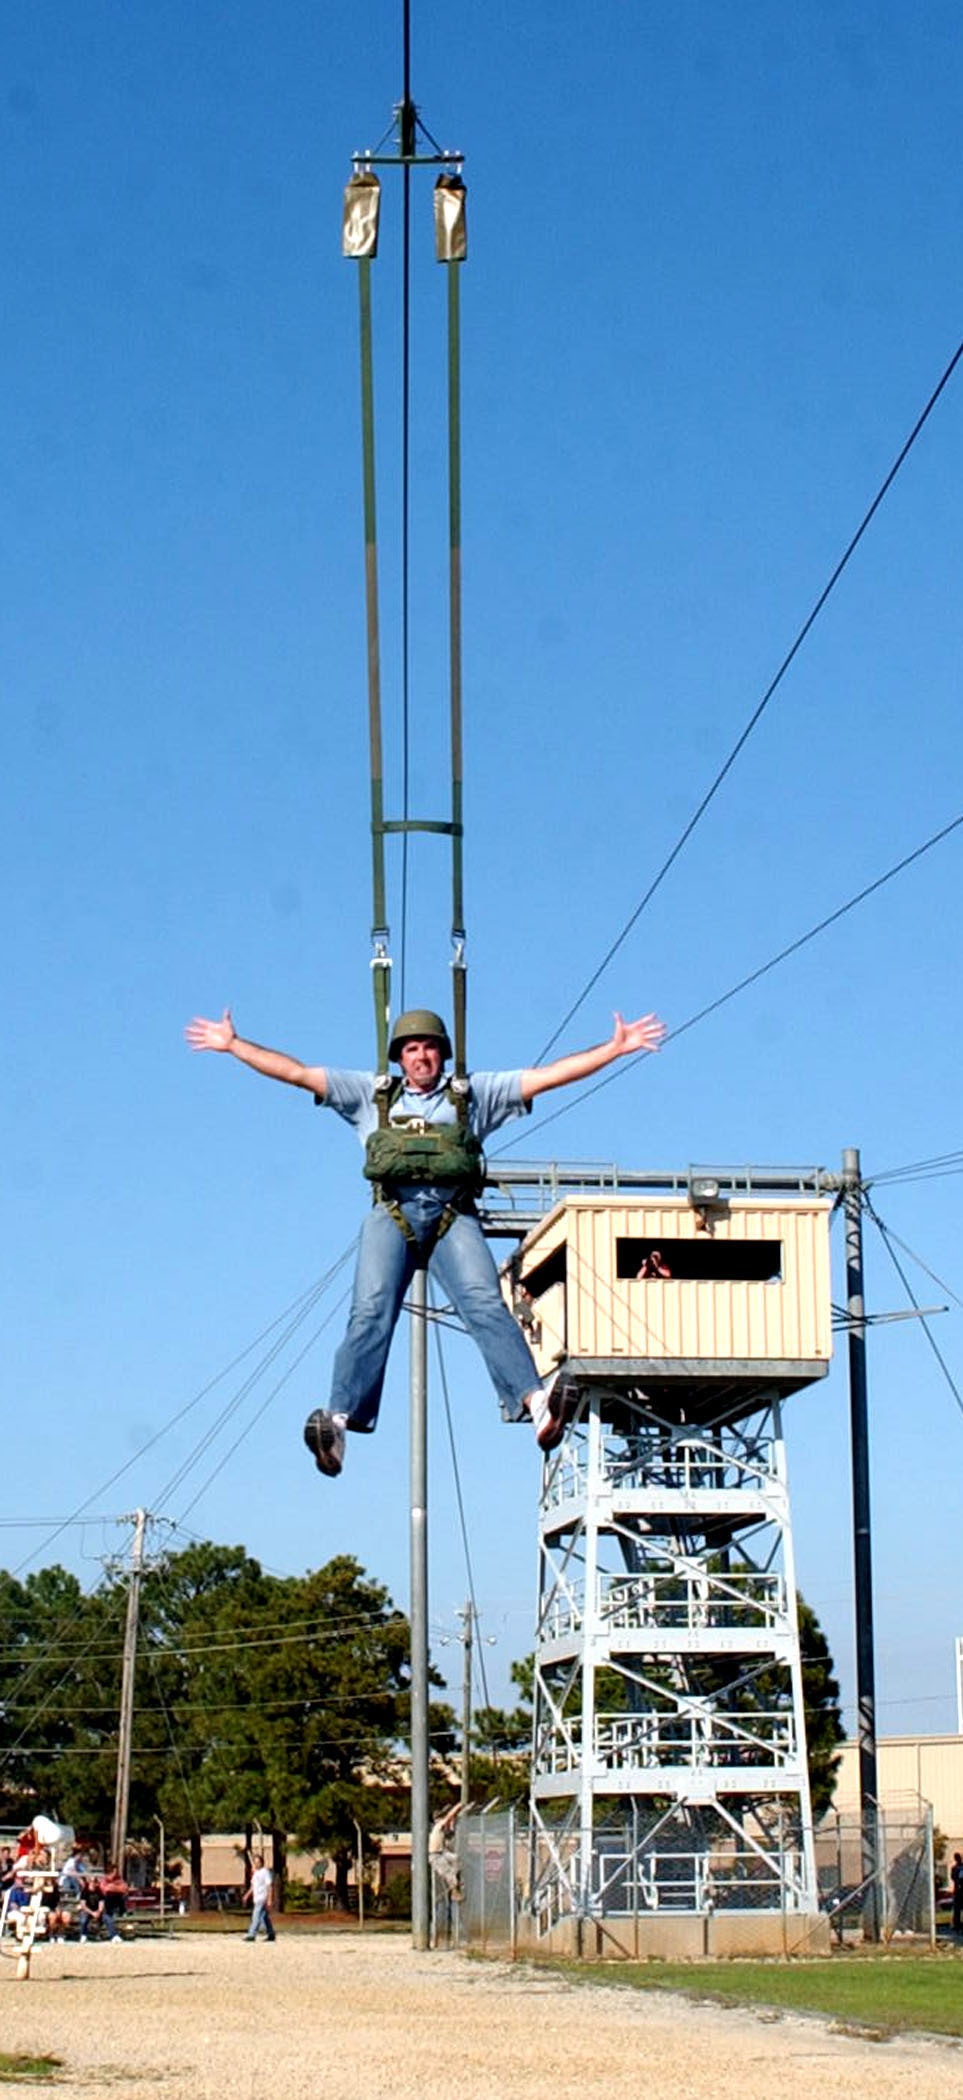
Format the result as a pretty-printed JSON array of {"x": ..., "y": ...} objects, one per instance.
[{"x": 344, "y": 2016}]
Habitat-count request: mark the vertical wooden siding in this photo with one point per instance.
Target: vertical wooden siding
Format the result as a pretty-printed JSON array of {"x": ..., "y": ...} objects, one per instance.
[{"x": 710, "y": 1320}]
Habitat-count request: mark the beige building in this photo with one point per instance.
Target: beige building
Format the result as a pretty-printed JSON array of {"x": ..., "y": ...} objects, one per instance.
[
  {"x": 910, "y": 1767},
  {"x": 222, "y": 1863}
]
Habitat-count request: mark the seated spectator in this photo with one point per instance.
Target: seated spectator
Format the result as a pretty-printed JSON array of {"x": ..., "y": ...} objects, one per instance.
[
  {"x": 71, "y": 1879},
  {"x": 54, "y": 1918},
  {"x": 90, "y": 1909},
  {"x": 115, "y": 1900},
  {"x": 18, "y": 1897}
]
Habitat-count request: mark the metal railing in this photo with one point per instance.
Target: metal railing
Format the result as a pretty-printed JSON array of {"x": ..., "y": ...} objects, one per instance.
[
  {"x": 692, "y": 1599},
  {"x": 647, "y": 1458},
  {"x": 687, "y": 1598},
  {"x": 650, "y": 1741}
]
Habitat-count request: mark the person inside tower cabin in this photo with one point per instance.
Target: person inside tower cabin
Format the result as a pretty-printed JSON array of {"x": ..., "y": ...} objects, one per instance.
[
  {"x": 653, "y": 1265},
  {"x": 423, "y": 1133}
]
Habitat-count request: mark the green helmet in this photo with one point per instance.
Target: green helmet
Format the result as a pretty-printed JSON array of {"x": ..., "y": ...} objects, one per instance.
[{"x": 419, "y": 1021}]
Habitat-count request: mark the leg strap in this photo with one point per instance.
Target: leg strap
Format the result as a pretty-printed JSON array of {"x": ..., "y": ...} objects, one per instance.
[{"x": 424, "y": 1248}]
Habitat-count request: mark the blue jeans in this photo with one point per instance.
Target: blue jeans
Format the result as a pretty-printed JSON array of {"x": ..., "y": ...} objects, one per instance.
[
  {"x": 260, "y": 1915},
  {"x": 464, "y": 1270}
]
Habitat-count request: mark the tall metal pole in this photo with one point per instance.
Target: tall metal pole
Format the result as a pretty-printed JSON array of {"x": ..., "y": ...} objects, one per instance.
[
  {"x": 118, "y": 1840},
  {"x": 359, "y": 1870},
  {"x": 862, "y": 1535},
  {"x": 420, "y": 1888},
  {"x": 466, "y": 1616},
  {"x": 161, "y": 1867}
]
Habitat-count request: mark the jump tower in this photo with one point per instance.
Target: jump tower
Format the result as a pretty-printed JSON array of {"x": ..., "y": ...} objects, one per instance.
[{"x": 670, "y": 1808}]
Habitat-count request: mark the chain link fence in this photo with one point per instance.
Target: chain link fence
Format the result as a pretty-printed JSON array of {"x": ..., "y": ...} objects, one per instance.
[
  {"x": 877, "y": 1875},
  {"x": 875, "y": 1879},
  {"x": 492, "y": 1862}
]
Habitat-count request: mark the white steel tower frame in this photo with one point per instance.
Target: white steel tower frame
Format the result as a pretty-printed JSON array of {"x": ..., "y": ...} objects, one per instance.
[
  {"x": 669, "y": 1771},
  {"x": 669, "y": 1767}
]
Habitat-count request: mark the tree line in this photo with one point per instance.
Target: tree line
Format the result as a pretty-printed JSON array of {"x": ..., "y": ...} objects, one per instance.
[
  {"x": 261, "y": 1700},
  {"x": 279, "y": 1701}
]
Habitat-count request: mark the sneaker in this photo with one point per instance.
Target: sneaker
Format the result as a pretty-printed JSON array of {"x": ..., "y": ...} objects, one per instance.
[
  {"x": 325, "y": 1440},
  {"x": 549, "y": 1406}
]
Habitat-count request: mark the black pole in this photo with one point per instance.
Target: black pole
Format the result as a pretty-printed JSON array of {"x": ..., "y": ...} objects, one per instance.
[{"x": 862, "y": 1536}]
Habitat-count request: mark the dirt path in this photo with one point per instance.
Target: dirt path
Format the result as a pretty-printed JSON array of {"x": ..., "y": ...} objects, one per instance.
[{"x": 348, "y": 2017}]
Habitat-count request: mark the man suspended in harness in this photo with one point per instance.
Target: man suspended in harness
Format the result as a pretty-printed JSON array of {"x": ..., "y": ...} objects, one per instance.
[{"x": 423, "y": 1135}]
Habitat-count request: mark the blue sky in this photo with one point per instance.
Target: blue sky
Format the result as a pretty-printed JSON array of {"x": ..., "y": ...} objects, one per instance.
[{"x": 714, "y": 277}]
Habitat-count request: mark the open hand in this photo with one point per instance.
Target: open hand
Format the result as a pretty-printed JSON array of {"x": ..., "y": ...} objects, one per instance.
[
  {"x": 211, "y": 1035},
  {"x": 647, "y": 1034}
]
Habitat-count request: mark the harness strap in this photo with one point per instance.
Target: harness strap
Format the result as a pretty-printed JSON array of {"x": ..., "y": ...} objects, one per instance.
[
  {"x": 424, "y": 1248},
  {"x": 387, "y": 1092}
]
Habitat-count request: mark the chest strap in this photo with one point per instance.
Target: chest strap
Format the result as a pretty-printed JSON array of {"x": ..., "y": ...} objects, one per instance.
[{"x": 445, "y": 1155}]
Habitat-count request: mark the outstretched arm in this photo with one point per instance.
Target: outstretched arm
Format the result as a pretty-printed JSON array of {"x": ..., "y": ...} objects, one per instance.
[
  {"x": 627, "y": 1038},
  {"x": 274, "y": 1064}
]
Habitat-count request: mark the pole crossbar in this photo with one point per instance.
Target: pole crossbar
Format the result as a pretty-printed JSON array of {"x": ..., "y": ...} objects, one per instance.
[
  {"x": 437, "y": 824},
  {"x": 360, "y": 161}
]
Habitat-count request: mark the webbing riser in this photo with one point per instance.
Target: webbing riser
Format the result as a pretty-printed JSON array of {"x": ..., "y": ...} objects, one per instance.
[{"x": 380, "y": 826}]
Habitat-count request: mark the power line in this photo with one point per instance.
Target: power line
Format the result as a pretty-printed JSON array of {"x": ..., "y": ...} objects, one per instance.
[
  {"x": 230, "y": 1409},
  {"x": 921, "y": 1169},
  {"x": 372, "y": 1745},
  {"x": 318, "y": 1629},
  {"x": 921, "y": 1264},
  {"x": 405, "y": 515},
  {"x": 314, "y": 1292},
  {"x": 317, "y": 1632},
  {"x": 631, "y": 1063},
  {"x": 759, "y": 711},
  {"x": 469, "y": 1571},
  {"x": 935, "y": 1174},
  {"x": 39, "y": 1710},
  {"x": 924, "y": 1323},
  {"x": 219, "y": 1706},
  {"x": 175, "y": 1751},
  {"x": 245, "y": 1641},
  {"x": 50, "y": 1652},
  {"x": 265, "y": 1404}
]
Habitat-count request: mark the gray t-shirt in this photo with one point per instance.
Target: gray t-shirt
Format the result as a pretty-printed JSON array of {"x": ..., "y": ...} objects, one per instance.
[{"x": 494, "y": 1099}]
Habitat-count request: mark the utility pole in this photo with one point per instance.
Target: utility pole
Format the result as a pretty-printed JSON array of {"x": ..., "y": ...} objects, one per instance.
[
  {"x": 420, "y": 1897},
  {"x": 466, "y": 1619},
  {"x": 118, "y": 1840},
  {"x": 862, "y": 1535},
  {"x": 161, "y": 1867}
]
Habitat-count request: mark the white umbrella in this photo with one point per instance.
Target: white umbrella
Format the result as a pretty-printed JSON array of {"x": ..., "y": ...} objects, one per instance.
[{"x": 51, "y": 1833}]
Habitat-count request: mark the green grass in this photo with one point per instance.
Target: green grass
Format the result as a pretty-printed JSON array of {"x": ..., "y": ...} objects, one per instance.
[
  {"x": 13, "y": 2069},
  {"x": 884, "y": 1993}
]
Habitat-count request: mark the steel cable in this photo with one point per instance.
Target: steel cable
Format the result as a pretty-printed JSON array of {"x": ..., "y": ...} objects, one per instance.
[
  {"x": 753, "y": 977},
  {"x": 759, "y": 711}
]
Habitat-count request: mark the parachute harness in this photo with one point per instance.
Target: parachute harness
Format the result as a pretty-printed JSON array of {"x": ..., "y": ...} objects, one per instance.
[{"x": 414, "y": 1149}]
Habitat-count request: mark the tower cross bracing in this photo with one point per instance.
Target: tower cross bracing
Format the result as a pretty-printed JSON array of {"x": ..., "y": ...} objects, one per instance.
[{"x": 669, "y": 1773}]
